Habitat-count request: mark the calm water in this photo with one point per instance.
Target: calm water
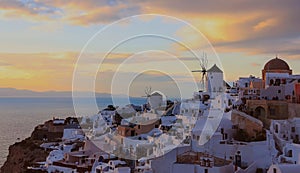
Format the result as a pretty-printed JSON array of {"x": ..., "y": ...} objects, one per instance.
[{"x": 19, "y": 116}]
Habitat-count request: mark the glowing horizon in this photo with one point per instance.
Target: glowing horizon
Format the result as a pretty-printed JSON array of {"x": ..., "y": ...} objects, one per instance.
[{"x": 41, "y": 41}]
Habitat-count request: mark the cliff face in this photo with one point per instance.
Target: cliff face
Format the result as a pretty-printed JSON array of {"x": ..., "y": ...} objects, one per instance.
[
  {"x": 28, "y": 152},
  {"x": 23, "y": 154}
]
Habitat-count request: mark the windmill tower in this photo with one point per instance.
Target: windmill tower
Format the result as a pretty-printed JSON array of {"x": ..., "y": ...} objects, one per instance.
[
  {"x": 215, "y": 81},
  {"x": 203, "y": 71}
]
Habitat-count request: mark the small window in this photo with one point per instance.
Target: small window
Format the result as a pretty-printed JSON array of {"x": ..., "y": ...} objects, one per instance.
[
  {"x": 274, "y": 170},
  {"x": 279, "y": 91},
  {"x": 205, "y": 170},
  {"x": 293, "y": 129},
  {"x": 290, "y": 153},
  {"x": 277, "y": 82}
]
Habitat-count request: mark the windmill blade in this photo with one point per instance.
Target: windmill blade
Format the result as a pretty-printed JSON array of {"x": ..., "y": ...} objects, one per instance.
[
  {"x": 203, "y": 76},
  {"x": 202, "y": 83},
  {"x": 203, "y": 64},
  {"x": 148, "y": 91},
  {"x": 203, "y": 61}
]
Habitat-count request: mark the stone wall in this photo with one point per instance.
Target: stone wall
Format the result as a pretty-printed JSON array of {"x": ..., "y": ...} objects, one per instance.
[
  {"x": 294, "y": 110},
  {"x": 250, "y": 125},
  {"x": 268, "y": 109}
]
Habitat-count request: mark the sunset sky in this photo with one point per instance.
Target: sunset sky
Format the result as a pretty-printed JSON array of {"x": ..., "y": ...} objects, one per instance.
[{"x": 41, "y": 40}]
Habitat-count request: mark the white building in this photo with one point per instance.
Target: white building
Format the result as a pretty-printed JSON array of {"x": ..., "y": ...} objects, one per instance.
[
  {"x": 215, "y": 81},
  {"x": 291, "y": 154},
  {"x": 286, "y": 131},
  {"x": 284, "y": 168},
  {"x": 249, "y": 87},
  {"x": 73, "y": 132}
]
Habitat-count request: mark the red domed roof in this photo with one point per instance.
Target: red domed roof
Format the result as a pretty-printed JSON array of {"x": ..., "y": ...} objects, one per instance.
[{"x": 276, "y": 64}]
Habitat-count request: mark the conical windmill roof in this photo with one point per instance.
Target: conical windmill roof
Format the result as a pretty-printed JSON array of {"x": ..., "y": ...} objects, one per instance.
[{"x": 215, "y": 69}]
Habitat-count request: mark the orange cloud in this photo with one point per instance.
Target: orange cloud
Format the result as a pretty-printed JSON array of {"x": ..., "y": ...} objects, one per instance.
[
  {"x": 255, "y": 64},
  {"x": 51, "y": 71},
  {"x": 264, "y": 24},
  {"x": 38, "y": 71},
  {"x": 251, "y": 27}
]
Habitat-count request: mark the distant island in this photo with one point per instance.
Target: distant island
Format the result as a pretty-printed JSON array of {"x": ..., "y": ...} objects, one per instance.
[{"x": 17, "y": 93}]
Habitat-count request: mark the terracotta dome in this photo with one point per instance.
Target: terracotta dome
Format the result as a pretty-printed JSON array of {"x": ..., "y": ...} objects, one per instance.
[{"x": 276, "y": 64}]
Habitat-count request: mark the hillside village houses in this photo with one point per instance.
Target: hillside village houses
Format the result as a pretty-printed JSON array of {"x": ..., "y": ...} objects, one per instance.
[{"x": 250, "y": 127}]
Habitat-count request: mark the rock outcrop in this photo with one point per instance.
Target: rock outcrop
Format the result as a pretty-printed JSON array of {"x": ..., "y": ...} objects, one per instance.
[
  {"x": 23, "y": 154},
  {"x": 27, "y": 152}
]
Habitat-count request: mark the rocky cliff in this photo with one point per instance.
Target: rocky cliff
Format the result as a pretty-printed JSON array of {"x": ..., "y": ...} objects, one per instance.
[{"x": 23, "y": 154}]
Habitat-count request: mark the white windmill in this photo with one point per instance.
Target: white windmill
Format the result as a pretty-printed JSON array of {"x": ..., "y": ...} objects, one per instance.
[{"x": 154, "y": 99}]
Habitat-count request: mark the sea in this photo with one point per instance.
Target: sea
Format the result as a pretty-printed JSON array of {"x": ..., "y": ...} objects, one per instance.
[{"x": 19, "y": 116}]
